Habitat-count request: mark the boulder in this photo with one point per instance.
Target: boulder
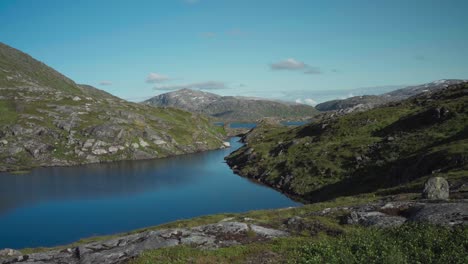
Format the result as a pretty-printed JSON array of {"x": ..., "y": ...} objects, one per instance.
[
  {"x": 89, "y": 143},
  {"x": 436, "y": 188},
  {"x": 159, "y": 142},
  {"x": 8, "y": 252},
  {"x": 143, "y": 143},
  {"x": 99, "y": 151},
  {"x": 113, "y": 149}
]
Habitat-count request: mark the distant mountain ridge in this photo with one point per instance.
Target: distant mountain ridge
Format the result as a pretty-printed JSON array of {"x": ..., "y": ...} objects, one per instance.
[
  {"x": 370, "y": 101},
  {"x": 230, "y": 108}
]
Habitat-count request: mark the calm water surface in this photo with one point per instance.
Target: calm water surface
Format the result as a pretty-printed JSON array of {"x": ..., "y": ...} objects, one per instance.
[
  {"x": 253, "y": 125},
  {"x": 54, "y": 206},
  {"x": 294, "y": 123}
]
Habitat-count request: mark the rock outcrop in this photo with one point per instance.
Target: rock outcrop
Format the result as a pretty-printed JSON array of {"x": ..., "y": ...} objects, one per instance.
[
  {"x": 397, "y": 213},
  {"x": 122, "y": 249}
]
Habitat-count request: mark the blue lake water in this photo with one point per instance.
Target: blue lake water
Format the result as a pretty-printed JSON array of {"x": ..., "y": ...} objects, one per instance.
[
  {"x": 243, "y": 125},
  {"x": 253, "y": 125},
  {"x": 59, "y": 205},
  {"x": 294, "y": 123}
]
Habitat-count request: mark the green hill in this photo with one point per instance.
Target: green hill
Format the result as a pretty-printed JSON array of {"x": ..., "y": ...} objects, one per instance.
[
  {"x": 389, "y": 149},
  {"x": 47, "y": 119}
]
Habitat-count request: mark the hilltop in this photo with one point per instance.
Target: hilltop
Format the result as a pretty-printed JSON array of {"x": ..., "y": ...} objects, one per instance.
[
  {"x": 49, "y": 120},
  {"x": 231, "y": 108},
  {"x": 365, "y": 102}
]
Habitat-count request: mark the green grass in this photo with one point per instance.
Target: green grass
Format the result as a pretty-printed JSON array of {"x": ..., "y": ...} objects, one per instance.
[
  {"x": 8, "y": 113},
  {"x": 350, "y": 154},
  {"x": 411, "y": 243}
]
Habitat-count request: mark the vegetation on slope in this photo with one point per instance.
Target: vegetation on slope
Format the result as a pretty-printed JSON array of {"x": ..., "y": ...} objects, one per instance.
[
  {"x": 46, "y": 119},
  {"x": 416, "y": 243},
  {"x": 391, "y": 148}
]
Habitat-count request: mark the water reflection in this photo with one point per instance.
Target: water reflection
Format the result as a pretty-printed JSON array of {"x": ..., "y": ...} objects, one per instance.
[{"x": 51, "y": 206}]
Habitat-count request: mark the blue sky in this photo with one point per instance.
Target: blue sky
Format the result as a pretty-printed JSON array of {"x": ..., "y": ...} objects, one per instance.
[{"x": 289, "y": 49}]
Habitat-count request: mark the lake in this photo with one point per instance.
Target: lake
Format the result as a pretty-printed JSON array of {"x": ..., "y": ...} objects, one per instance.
[
  {"x": 59, "y": 205},
  {"x": 253, "y": 125}
]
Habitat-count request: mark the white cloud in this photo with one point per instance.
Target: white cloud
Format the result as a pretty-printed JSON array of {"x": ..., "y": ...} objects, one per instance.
[
  {"x": 307, "y": 101},
  {"x": 105, "y": 83},
  {"x": 209, "y": 85},
  {"x": 310, "y": 101},
  {"x": 156, "y": 78},
  {"x": 295, "y": 65},
  {"x": 288, "y": 64}
]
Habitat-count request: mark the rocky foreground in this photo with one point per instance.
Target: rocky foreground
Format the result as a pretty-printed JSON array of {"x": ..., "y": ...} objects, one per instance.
[
  {"x": 227, "y": 233},
  {"x": 122, "y": 249}
]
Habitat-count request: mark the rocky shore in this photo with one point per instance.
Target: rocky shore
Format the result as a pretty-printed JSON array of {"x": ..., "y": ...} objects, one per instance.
[
  {"x": 122, "y": 249},
  {"x": 241, "y": 231}
]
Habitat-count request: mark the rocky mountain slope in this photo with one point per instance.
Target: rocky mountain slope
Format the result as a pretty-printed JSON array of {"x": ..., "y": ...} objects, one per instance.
[
  {"x": 230, "y": 108},
  {"x": 361, "y": 103},
  {"x": 387, "y": 149},
  {"x": 47, "y": 119}
]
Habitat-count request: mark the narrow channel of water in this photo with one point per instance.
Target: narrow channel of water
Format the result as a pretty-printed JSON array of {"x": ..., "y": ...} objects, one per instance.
[{"x": 59, "y": 205}]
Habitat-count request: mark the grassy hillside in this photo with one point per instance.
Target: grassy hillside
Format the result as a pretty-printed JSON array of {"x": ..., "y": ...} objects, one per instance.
[
  {"x": 18, "y": 69},
  {"x": 387, "y": 149},
  {"x": 46, "y": 119}
]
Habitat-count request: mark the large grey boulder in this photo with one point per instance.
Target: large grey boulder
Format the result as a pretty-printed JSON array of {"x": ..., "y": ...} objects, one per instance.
[{"x": 436, "y": 188}]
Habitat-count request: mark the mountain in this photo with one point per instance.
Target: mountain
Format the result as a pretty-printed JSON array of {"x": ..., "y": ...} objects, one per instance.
[
  {"x": 230, "y": 108},
  {"x": 47, "y": 119},
  {"x": 370, "y": 101},
  {"x": 389, "y": 149}
]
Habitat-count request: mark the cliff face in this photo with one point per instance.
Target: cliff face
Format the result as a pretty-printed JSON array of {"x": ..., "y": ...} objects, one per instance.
[
  {"x": 387, "y": 149},
  {"x": 47, "y": 119}
]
